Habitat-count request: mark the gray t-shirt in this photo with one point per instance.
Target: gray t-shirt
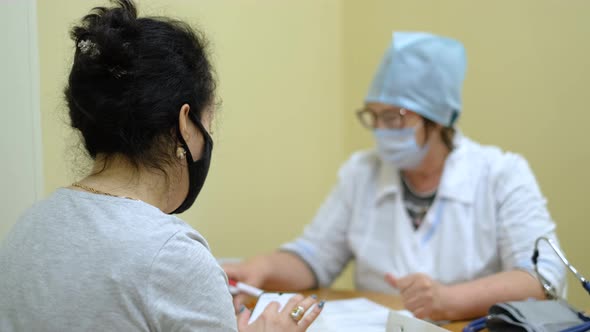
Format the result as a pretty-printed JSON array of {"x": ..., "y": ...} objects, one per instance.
[{"x": 78, "y": 261}]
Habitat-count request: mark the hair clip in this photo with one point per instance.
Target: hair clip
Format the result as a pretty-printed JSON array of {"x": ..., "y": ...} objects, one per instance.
[{"x": 89, "y": 48}]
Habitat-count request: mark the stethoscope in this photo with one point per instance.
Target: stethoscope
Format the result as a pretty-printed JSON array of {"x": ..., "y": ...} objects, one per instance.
[
  {"x": 480, "y": 323},
  {"x": 549, "y": 289}
]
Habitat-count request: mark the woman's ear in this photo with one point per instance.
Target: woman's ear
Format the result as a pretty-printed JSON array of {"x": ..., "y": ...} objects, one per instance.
[{"x": 183, "y": 121}]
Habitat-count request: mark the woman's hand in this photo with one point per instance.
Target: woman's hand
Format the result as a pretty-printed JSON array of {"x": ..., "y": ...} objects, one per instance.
[
  {"x": 423, "y": 296},
  {"x": 272, "y": 319},
  {"x": 251, "y": 272}
]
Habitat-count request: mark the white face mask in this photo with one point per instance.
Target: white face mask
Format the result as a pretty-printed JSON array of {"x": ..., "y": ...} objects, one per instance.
[{"x": 399, "y": 147}]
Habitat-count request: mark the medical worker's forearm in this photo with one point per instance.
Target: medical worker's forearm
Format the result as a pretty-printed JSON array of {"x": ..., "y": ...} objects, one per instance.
[
  {"x": 474, "y": 298},
  {"x": 286, "y": 272}
]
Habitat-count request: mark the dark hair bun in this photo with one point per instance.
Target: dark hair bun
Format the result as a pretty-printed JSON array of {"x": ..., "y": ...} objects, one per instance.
[
  {"x": 106, "y": 38},
  {"x": 130, "y": 77}
]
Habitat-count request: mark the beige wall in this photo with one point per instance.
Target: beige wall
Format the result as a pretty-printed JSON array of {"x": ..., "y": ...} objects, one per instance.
[{"x": 291, "y": 74}]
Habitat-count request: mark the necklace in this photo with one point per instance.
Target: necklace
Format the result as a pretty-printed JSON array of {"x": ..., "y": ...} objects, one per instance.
[{"x": 96, "y": 191}]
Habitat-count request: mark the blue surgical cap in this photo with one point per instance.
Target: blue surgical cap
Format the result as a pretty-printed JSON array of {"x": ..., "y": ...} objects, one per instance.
[{"x": 423, "y": 73}]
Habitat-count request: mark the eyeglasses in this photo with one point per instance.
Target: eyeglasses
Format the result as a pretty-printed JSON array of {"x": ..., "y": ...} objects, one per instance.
[{"x": 370, "y": 119}]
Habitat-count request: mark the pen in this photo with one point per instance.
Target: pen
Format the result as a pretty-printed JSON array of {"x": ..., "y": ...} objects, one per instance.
[{"x": 244, "y": 288}]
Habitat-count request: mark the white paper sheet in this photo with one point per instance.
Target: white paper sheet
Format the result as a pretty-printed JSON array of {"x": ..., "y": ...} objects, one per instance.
[
  {"x": 357, "y": 314},
  {"x": 265, "y": 299},
  {"x": 400, "y": 323}
]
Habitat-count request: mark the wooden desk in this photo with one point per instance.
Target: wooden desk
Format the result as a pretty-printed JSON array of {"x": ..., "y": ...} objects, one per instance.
[{"x": 390, "y": 301}]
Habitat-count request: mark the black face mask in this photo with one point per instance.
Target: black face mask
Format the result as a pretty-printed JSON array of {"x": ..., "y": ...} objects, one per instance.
[{"x": 197, "y": 169}]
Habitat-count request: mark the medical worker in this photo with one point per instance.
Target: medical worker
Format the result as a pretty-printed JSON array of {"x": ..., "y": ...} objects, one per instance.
[{"x": 429, "y": 214}]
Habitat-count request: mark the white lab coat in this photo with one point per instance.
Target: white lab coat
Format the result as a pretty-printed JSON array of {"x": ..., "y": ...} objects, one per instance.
[{"x": 485, "y": 218}]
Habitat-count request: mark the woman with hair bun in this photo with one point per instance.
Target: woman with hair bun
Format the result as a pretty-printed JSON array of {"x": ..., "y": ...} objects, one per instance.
[{"x": 106, "y": 253}]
